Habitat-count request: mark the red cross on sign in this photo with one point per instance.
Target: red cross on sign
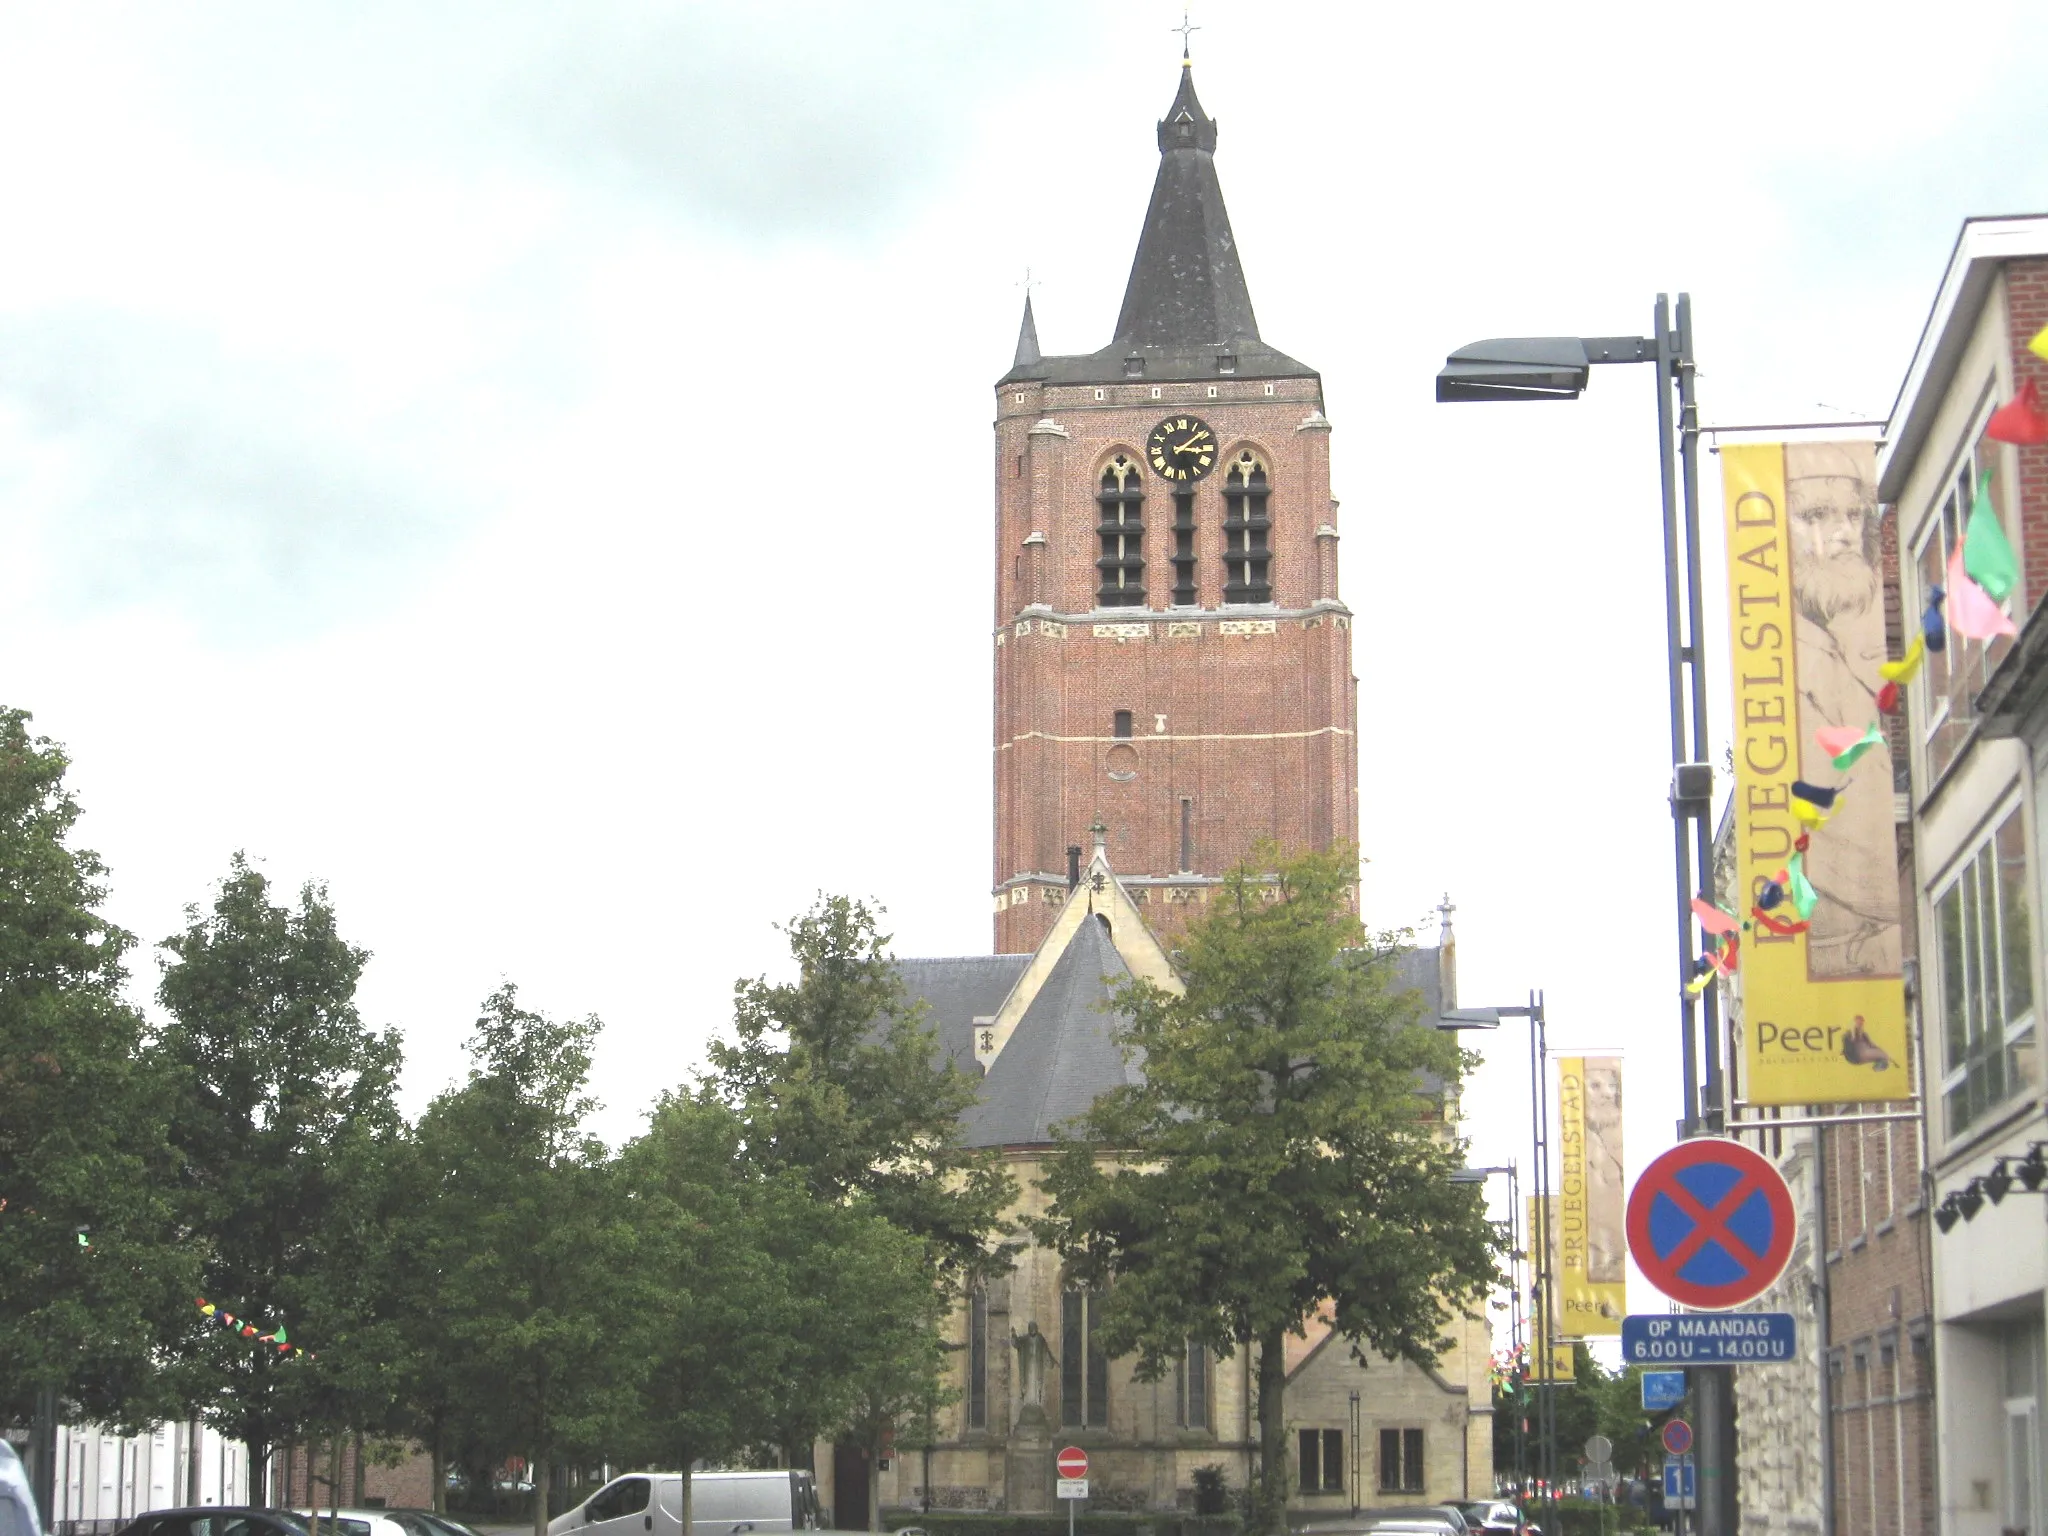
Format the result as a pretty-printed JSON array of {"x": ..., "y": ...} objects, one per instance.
[{"x": 1710, "y": 1223}]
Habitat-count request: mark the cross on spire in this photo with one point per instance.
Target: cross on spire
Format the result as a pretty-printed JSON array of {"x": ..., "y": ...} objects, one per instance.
[{"x": 1185, "y": 29}]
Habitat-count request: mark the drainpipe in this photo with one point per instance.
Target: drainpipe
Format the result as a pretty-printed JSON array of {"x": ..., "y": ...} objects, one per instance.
[{"x": 1821, "y": 1327}]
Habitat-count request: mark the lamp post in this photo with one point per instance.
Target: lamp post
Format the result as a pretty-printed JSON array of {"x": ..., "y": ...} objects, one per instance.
[
  {"x": 1559, "y": 368},
  {"x": 1540, "y": 1291}
]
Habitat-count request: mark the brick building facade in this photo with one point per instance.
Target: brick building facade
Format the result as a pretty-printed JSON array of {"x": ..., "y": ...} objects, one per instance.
[
  {"x": 1172, "y": 658},
  {"x": 1967, "y": 1458}
]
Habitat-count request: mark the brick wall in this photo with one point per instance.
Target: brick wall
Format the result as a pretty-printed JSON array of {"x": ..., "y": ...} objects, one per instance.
[
  {"x": 1246, "y": 714},
  {"x": 299, "y": 1477},
  {"x": 2026, "y": 291}
]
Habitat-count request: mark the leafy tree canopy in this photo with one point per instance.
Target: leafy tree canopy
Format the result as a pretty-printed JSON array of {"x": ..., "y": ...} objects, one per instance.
[
  {"x": 91, "y": 1273},
  {"x": 835, "y": 1076},
  {"x": 1286, "y": 1154}
]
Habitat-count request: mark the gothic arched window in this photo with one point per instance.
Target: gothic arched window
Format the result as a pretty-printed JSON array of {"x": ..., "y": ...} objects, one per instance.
[
  {"x": 1247, "y": 557},
  {"x": 1084, "y": 1367},
  {"x": 1122, "y": 530}
]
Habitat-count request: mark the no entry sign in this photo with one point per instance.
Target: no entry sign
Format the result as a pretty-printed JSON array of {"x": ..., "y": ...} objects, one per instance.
[
  {"x": 1072, "y": 1462},
  {"x": 1710, "y": 1223}
]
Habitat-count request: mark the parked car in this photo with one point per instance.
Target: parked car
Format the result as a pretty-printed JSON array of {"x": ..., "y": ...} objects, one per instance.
[
  {"x": 17, "y": 1499},
  {"x": 427, "y": 1522},
  {"x": 351, "y": 1522},
  {"x": 721, "y": 1504},
  {"x": 1496, "y": 1515},
  {"x": 216, "y": 1520}
]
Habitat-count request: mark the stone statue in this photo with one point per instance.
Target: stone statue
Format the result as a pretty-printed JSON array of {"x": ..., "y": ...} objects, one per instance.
[{"x": 1033, "y": 1356}]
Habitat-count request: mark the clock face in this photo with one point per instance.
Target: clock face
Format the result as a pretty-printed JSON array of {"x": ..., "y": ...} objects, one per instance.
[{"x": 1181, "y": 448}]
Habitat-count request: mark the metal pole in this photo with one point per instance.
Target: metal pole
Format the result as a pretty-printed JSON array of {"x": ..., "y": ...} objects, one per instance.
[
  {"x": 1696, "y": 661},
  {"x": 1674, "y": 662},
  {"x": 1549, "y": 1276},
  {"x": 1518, "y": 1239}
]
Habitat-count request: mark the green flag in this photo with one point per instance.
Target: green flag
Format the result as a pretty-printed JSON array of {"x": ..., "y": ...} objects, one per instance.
[
  {"x": 1804, "y": 897},
  {"x": 1987, "y": 556}
]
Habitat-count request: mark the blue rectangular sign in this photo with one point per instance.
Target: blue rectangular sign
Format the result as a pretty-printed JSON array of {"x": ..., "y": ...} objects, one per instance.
[
  {"x": 1708, "y": 1338},
  {"x": 1679, "y": 1483},
  {"x": 1662, "y": 1390}
]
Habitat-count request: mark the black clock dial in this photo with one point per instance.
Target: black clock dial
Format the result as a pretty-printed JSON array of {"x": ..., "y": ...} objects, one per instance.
[{"x": 1181, "y": 448}]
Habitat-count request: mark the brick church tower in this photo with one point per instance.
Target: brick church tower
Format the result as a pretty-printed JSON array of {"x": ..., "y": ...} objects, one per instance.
[{"x": 1172, "y": 660}]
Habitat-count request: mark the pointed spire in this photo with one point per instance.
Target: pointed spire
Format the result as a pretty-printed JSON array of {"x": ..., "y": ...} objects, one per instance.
[
  {"x": 1027, "y": 341},
  {"x": 1187, "y": 288}
]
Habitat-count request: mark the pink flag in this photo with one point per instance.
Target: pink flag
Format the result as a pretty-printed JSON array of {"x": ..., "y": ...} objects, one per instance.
[
  {"x": 1712, "y": 918},
  {"x": 1971, "y": 613},
  {"x": 1837, "y": 739}
]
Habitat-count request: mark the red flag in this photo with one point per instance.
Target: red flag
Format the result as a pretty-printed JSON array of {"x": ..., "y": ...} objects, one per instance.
[{"x": 2021, "y": 420}]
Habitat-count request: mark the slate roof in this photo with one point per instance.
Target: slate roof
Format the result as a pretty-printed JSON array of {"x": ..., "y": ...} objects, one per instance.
[
  {"x": 957, "y": 991},
  {"x": 1063, "y": 1053},
  {"x": 1187, "y": 304}
]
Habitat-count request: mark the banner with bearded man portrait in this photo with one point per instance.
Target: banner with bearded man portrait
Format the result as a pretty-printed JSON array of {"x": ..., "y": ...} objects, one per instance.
[{"x": 1823, "y": 1011}]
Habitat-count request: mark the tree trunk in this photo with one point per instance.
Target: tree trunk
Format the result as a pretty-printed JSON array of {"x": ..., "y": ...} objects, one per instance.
[
  {"x": 875, "y": 1484},
  {"x": 258, "y": 1491},
  {"x": 689, "y": 1509},
  {"x": 439, "y": 1503},
  {"x": 1270, "y": 1515},
  {"x": 540, "y": 1496}
]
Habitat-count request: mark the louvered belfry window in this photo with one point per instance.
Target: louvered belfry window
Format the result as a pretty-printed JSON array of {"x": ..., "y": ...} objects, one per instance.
[
  {"x": 1122, "y": 530},
  {"x": 1247, "y": 555}
]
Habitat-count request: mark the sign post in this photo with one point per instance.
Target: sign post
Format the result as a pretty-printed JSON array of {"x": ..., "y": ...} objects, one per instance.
[{"x": 1072, "y": 1465}]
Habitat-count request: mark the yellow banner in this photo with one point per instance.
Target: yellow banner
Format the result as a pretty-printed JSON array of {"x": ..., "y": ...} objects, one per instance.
[
  {"x": 1823, "y": 1014},
  {"x": 1562, "y": 1372},
  {"x": 1591, "y": 1249}
]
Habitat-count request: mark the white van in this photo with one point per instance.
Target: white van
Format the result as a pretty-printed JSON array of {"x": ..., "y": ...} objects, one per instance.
[
  {"x": 721, "y": 1504},
  {"x": 17, "y": 1501}
]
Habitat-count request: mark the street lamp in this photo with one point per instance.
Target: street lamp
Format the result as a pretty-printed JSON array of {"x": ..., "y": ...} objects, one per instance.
[
  {"x": 1559, "y": 368},
  {"x": 1539, "y": 1146}
]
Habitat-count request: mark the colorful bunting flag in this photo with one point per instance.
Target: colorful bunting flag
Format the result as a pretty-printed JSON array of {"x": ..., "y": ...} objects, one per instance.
[
  {"x": 2039, "y": 345},
  {"x": 2021, "y": 420},
  {"x": 1888, "y": 698},
  {"x": 1844, "y": 743},
  {"x": 1712, "y": 918},
  {"x": 1987, "y": 554},
  {"x": 1777, "y": 925},
  {"x": 1930, "y": 622},
  {"x": 1907, "y": 667},
  {"x": 1971, "y": 611},
  {"x": 1804, "y": 897}
]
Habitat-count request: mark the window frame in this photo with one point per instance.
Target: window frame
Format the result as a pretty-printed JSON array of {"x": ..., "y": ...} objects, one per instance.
[
  {"x": 1980, "y": 868},
  {"x": 977, "y": 1358},
  {"x": 1318, "y": 1456},
  {"x": 1084, "y": 1371},
  {"x": 1247, "y": 514},
  {"x": 1942, "y": 721},
  {"x": 1120, "y": 530},
  {"x": 1407, "y": 1471},
  {"x": 1193, "y": 1378}
]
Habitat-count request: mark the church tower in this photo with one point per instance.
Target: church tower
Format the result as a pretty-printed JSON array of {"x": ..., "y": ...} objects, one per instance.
[{"x": 1172, "y": 659}]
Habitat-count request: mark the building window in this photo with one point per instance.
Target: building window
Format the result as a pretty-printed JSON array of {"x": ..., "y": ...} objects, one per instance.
[
  {"x": 1246, "y": 558},
  {"x": 1120, "y": 724},
  {"x": 1401, "y": 1461},
  {"x": 1084, "y": 1368},
  {"x": 1184, "y": 591},
  {"x": 1322, "y": 1460},
  {"x": 1191, "y": 1388},
  {"x": 1957, "y": 674},
  {"x": 977, "y": 1359},
  {"x": 1122, "y": 530},
  {"x": 1987, "y": 978},
  {"x": 1187, "y": 835}
]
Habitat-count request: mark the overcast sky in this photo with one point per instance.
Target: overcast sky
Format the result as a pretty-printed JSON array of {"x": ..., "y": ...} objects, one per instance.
[{"x": 527, "y": 466}]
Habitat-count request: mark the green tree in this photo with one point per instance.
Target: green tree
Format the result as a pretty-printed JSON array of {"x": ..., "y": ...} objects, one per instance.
[
  {"x": 82, "y": 1146},
  {"x": 1287, "y": 1151},
  {"x": 837, "y": 1078},
  {"x": 540, "y": 1286},
  {"x": 285, "y": 1124}
]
